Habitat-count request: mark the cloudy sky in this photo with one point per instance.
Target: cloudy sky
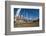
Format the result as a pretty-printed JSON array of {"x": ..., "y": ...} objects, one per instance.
[{"x": 29, "y": 13}]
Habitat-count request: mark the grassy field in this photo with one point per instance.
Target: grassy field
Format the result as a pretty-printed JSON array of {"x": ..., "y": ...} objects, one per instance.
[{"x": 21, "y": 23}]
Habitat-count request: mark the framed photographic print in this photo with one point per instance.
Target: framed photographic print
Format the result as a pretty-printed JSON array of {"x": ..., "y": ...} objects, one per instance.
[{"x": 24, "y": 17}]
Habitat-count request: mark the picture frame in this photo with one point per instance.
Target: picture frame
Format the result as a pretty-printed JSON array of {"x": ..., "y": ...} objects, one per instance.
[{"x": 11, "y": 6}]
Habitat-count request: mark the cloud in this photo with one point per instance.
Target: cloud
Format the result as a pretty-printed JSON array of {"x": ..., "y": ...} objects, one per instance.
[{"x": 18, "y": 11}]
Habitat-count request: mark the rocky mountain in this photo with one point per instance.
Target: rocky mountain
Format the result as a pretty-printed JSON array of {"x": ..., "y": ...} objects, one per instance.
[{"x": 26, "y": 18}]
